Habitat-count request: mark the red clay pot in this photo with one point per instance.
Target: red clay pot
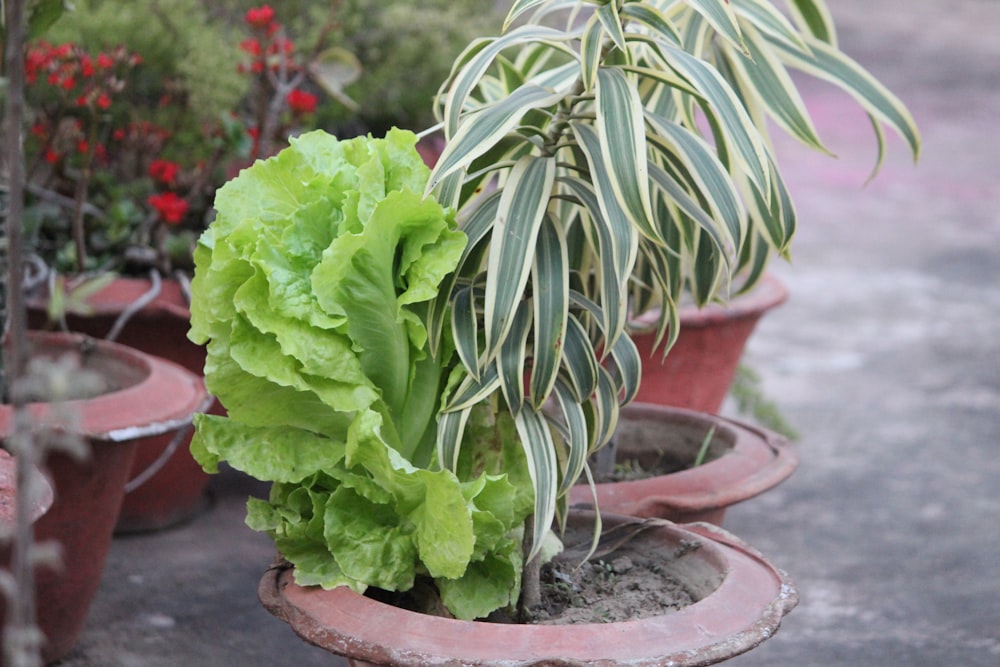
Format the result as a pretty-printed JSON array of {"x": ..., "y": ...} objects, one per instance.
[
  {"x": 742, "y": 599},
  {"x": 700, "y": 367},
  {"x": 744, "y": 461},
  {"x": 149, "y": 397},
  {"x": 166, "y": 486}
]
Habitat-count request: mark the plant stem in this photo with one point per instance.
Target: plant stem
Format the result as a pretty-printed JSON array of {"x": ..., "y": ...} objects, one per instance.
[
  {"x": 21, "y": 638},
  {"x": 531, "y": 573}
]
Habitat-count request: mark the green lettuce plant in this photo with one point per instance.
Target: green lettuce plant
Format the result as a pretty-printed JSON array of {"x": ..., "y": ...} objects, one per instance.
[
  {"x": 423, "y": 364},
  {"x": 311, "y": 289}
]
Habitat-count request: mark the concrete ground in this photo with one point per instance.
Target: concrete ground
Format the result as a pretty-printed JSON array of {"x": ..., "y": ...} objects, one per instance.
[{"x": 886, "y": 358}]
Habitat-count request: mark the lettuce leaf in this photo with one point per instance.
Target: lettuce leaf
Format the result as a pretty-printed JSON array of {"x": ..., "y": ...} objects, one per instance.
[{"x": 310, "y": 291}]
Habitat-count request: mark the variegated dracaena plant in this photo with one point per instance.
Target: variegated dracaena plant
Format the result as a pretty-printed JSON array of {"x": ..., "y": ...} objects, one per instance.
[{"x": 606, "y": 155}]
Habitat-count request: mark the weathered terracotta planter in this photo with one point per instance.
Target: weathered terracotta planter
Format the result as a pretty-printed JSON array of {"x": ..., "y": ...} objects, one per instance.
[
  {"x": 147, "y": 398},
  {"x": 742, "y": 599},
  {"x": 166, "y": 486},
  {"x": 743, "y": 461},
  {"x": 700, "y": 367}
]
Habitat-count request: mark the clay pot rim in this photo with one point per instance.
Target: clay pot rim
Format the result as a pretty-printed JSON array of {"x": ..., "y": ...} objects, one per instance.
[
  {"x": 759, "y": 460},
  {"x": 768, "y": 293},
  {"x": 123, "y": 291},
  {"x": 744, "y": 610},
  {"x": 164, "y": 398}
]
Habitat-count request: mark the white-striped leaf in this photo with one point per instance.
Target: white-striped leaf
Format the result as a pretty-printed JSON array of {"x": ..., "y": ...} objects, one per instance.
[
  {"x": 608, "y": 16},
  {"x": 550, "y": 295},
  {"x": 481, "y": 131},
  {"x": 629, "y": 367},
  {"x": 769, "y": 82},
  {"x": 470, "y": 391},
  {"x": 579, "y": 360},
  {"x": 577, "y": 440},
  {"x": 814, "y": 16},
  {"x": 466, "y": 80},
  {"x": 523, "y": 203},
  {"x": 720, "y": 16},
  {"x": 766, "y": 17},
  {"x": 621, "y": 131},
  {"x": 451, "y": 428},
  {"x": 726, "y": 114},
  {"x": 829, "y": 64},
  {"x": 512, "y": 357},
  {"x": 653, "y": 20},
  {"x": 543, "y": 467}
]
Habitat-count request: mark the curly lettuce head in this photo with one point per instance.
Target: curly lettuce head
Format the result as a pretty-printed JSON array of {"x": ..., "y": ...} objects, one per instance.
[{"x": 310, "y": 291}]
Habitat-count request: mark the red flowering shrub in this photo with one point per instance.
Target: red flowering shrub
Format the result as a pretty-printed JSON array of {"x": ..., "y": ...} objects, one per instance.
[
  {"x": 169, "y": 207},
  {"x": 300, "y": 102}
]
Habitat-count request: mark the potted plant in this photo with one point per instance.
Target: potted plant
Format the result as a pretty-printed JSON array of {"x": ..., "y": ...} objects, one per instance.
[
  {"x": 134, "y": 124},
  {"x": 425, "y": 393}
]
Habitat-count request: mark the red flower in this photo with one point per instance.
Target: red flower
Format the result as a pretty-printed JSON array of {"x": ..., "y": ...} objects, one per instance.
[
  {"x": 164, "y": 171},
  {"x": 260, "y": 17},
  {"x": 51, "y": 156},
  {"x": 104, "y": 61},
  {"x": 301, "y": 102},
  {"x": 251, "y": 46},
  {"x": 169, "y": 206},
  {"x": 103, "y": 101}
]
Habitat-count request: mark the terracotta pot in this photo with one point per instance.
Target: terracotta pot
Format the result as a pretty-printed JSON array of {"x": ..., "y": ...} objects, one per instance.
[
  {"x": 148, "y": 397},
  {"x": 742, "y": 599},
  {"x": 700, "y": 367},
  {"x": 743, "y": 461},
  {"x": 166, "y": 486}
]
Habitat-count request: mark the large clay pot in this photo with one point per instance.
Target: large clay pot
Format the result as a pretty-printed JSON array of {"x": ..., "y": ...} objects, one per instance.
[
  {"x": 743, "y": 461},
  {"x": 166, "y": 486},
  {"x": 700, "y": 367},
  {"x": 741, "y": 601},
  {"x": 146, "y": 398}
]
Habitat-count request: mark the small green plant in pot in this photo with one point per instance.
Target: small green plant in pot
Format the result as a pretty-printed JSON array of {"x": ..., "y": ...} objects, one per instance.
[{"x": 423, "y": 363}]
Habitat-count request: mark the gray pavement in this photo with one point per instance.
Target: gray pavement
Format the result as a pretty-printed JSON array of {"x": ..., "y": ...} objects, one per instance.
[{"x": 886, "y": 358}]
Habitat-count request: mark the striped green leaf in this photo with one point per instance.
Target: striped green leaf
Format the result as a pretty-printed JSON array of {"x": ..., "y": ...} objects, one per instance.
[
  {"x": 483, "y": 130},
  {"x": 451, "y": 428},
  {"x": 523, "y": 203},
  {"x": 579, "y": 360},
  {"x": 769, "y": 20},
  {"x": 657, "y": 25},
  {"x": 726, "y": 114},
  {"x": 814, "y": 16},
  {"x": 465, "y": 330},
  {"x": 623, "y": 164},
  {"x": 827, "y": 63},
  {"x": 550, "y": 292},
  {"x": 513, "y": 357},
  {"x": 465, "y": 81},
  {"x": 719, "y": 14},
  {"x": 577, "y": 440},
  {"x": 607, "y": 14},
  {"x": 771, "y": 84},
  {"x": 470, "y": 391},
  {"x": 543, "y": 467},
  {"x": 591, "y": 51},
  {"x": 629, "y": 367}
]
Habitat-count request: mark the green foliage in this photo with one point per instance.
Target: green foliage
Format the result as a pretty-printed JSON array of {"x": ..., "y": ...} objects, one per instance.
[
  {"x": 182, "y": 49},
  {"x": 311, "y": 291},
  {"x": 607, "y": 158},
  {"x": 406, "y": 50}
]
